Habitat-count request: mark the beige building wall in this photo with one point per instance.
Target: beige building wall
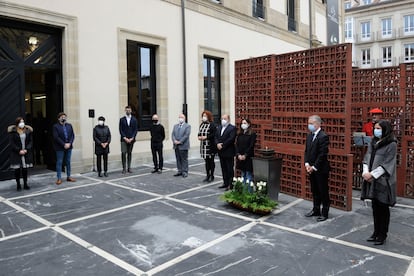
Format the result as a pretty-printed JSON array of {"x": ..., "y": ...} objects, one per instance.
[
  {"x": 374, "y": 13},
  {"x": 94, "y": 57}
]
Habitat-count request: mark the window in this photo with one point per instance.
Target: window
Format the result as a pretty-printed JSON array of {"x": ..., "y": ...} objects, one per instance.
[
  {"x": 409, "y": 24},
  {"x": 386, "y": 55},
  {"x": 366, "y": 56},
  {"x": 347, "y": 5},
  {"x": 141, "y": 82},
  {"x": 365, "y": 30},
  {"x": 366, "y": 2},
  {"x": 386, "y": 27},
  {"x": 258, "y": 9},
  {"x": 212, "y": 91},
  {"x": 291, "y": 15},
  {"x": 348, "y": 28},
  {"x": 409, "y": 52}
]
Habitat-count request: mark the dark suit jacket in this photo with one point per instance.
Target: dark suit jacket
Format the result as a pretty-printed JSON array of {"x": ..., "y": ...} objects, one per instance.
[
  {"x": 128, "y": 131},
  {"x": 59, "y": 136},
  {"x": 316, "y": 152},
  {"x": 228, "y": 139}
]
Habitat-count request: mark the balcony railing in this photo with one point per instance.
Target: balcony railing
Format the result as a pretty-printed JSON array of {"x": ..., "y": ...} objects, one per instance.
[{"x": 380, "y": 35}]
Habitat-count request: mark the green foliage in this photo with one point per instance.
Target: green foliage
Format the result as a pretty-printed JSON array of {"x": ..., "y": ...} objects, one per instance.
[{"x": 250, "y": 196}]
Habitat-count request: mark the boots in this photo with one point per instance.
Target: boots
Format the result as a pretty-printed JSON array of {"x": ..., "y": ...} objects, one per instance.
[
  {"x": 207, "y": 179},
  {"x": 17, "y": 177},
  {"x": 19, "y": 187},
  {"x": 25, "y": 186}
]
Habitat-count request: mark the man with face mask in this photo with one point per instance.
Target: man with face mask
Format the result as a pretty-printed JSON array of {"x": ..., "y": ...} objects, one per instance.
[
  {"x": 317, "y": 167},
  {"x": 102, "y": 138},
  {"x": 128, "y": 129},
  {"x": 224, "y": 140},
  {"x": 368, "y": 127},
  {"x": 181, "y": 143},
  {"x": 63, "y": 137},
  {"x": 157, "y": 137}
]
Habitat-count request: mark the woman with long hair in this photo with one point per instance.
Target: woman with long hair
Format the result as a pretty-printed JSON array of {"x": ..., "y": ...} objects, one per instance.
[
  {"x": 21, "y": 150},
  {"x": 380, "y": 177},
  {"x": 206, "y": 133}
]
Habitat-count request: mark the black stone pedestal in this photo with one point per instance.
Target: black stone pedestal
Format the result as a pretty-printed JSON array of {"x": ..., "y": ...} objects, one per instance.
[{"x": 268, "y": 169}]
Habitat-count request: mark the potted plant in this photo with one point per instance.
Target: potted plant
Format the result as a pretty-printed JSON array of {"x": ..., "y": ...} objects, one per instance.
[{"x": 249, "y": 196}]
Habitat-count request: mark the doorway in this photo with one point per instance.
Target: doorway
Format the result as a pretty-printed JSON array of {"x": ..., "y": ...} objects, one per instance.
[{"x": 30, "y": 86}]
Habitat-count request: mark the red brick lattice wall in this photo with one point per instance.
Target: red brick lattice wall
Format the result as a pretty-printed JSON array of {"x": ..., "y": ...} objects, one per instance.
[{"x": 279, "y": 92}]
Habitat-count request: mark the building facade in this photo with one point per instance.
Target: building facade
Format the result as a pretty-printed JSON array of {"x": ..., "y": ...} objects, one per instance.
[
  {"x": 382, "y": 32},
  {"x": 92, "y": 58}
]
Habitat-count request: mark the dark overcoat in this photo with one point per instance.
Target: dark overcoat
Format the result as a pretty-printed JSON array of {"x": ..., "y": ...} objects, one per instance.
[
  {"x": 16, "y": 145},
  {"x": 101, "y": 134}
]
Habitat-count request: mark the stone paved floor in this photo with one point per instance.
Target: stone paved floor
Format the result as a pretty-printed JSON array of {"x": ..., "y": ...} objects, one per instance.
[{"x": 158, "y": 224}]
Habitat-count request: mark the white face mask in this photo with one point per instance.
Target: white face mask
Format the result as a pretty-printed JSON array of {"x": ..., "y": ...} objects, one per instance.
[
  {"x": 101, "y": 123},
  {"x": 204, "y": 119},
  {"x": 244, "y": 126},
  {"x": 223, "y": 122},
  {"x": 181, "y": 120},
  {"x": 21, "y": 125}
]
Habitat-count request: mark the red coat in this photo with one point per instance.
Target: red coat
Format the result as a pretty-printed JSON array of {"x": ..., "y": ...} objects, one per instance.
[{"x": 368, "y": 128}]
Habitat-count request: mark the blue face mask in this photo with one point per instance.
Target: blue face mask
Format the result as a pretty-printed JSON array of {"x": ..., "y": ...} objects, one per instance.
[
  {"x": 311, "y": 128},
  {"x": 378, "y": 133}
]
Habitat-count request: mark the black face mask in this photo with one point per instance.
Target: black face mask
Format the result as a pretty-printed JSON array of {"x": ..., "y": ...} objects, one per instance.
[
  {"x": 62, "y": 120},
  {"x": 154, "y": 122}
]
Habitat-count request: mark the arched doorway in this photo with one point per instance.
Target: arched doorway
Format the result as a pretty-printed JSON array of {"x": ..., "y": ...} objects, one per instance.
[{"x": 30, "y": 85}]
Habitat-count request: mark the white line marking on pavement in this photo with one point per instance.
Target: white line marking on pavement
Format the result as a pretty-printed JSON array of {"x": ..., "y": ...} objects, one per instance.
[
  {"x": 107, "y": 211},
  {"x": 410, "y": 270},
  {"x": 200, "y": 249},
  {"x": 104, "y": 254},
  {"x": 349, "y": 244},
  {"x": 24, "y": 233}
]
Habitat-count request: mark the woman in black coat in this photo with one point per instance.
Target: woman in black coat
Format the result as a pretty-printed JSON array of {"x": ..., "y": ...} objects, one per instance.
[
  {"x": 21, "y": 150},
  {"x": 245, "y": 141},
  {"x": 102, "y": 138},
  {"x": 206, "y": 134}
]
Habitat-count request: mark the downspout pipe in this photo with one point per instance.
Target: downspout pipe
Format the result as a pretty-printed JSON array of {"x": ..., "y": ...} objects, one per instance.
[
  {"x": 184, "y": 57},
  {"x": 310, "y": 24}
]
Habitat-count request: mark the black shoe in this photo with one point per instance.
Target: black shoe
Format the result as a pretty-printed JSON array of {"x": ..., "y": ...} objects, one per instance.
[
  {"x": 129, "y": 170},
  {"x": 26, "y": 187},
  {"x": 373, "y": 238},
  {"x": 105, "y": 174},
  {"x": 178, "y": 174},
  {"x": 211, "y": 179},
  {"x": 99, "y": 174},
  {"x": 123, "y": 171},
  {"x": 222, "y": 186},
  {"x": 379, "y": 241},
  {"x": 185, "y": 175},
  {"x": 19, "y": 188},
  {"x": 154, "y": 171},
  {"x": 312, "y": 214},
  {"x": 206, "y": 179},
  {"x": 159, "y": 171},
  {"x": 321, "y": 218}
]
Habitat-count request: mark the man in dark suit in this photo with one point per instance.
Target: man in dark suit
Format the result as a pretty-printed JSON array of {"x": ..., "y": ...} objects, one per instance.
[
  {"x": 128, "y": 129},
  {"x": 63, "y": 137},
  {"x": 317, "y": 167},
  {"x": 180, "y": 137},
  {"x": 225, "y": 139}
]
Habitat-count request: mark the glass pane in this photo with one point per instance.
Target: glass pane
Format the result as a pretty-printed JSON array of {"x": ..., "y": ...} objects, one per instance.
[
  {"x": 132, "y": 73},
  {"x": 24, "y": 43},
  {"x": 145, "y": 81}
]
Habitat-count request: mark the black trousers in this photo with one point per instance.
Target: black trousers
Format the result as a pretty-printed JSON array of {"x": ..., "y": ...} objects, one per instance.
[
  {"x": 20, "y": 172},
  {"x": 210, "y": 165},
  {"x": 227, "y": 169},
  {"x": 320, "y": 192},
  {"x": 381, "y": 214},
  {"x": 157, "y": 157},
  {"x": 99, "y": 162}
]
